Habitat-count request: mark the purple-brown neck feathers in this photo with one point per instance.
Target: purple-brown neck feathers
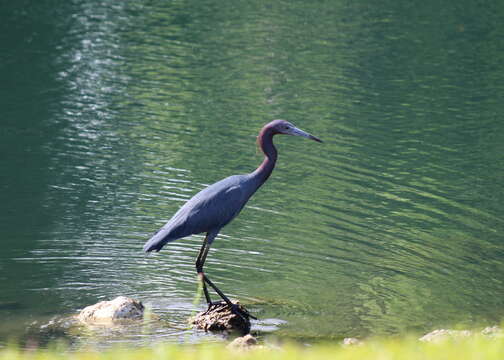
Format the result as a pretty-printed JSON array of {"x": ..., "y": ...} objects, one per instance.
[{"x": 265, "y": 142}]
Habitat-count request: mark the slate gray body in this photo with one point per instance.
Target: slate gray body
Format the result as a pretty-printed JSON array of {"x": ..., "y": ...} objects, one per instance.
[{"x": 208, "y": 211}]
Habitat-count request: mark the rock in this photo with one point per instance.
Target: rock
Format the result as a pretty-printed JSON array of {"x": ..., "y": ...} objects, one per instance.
[
  {"x": 121, "y": 308},
  {"x": 352, "y": 342},
  {"x": 444, "y": 334},
  {"x": 243, "y": 343},
  {"x": 493, "y": 331},
  {"x": 219, "y": 317}
]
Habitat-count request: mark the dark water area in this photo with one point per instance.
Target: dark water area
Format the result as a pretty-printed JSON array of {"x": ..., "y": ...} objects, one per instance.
[{"x": 112, "y": 114}]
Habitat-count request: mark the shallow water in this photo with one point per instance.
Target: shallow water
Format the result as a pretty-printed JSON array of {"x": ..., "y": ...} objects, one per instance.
[{"x": 115, "y": 113}]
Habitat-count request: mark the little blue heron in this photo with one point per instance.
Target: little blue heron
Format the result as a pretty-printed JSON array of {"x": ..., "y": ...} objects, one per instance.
[{"x": 215, "y": 206}]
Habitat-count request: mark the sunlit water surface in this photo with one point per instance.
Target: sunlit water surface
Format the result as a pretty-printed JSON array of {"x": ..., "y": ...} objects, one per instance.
[{"x": 115, "y": 113}]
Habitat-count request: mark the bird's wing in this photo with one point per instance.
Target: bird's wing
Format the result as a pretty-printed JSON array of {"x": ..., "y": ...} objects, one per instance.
[
  {"x": 215, "y": 209},
  {"x": 208, "y": 211}
]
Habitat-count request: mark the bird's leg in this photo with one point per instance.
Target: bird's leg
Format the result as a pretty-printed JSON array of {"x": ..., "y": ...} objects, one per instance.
[
  {"x": 241, "y": 312},
  {"x": 221, "y": 294},
  {"x": 200, "y": 260}
]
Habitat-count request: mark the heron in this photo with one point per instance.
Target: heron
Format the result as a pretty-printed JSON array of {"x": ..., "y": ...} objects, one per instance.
[{"x": 215, "y": 206}]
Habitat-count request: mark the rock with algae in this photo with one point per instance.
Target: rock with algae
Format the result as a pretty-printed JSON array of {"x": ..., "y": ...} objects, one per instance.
[
  {"x": 220, "y": 317},
  {"x": 121, "y": 308}
]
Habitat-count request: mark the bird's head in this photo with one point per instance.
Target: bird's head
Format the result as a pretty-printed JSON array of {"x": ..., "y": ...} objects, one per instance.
[{"x": 285, "y": 127}]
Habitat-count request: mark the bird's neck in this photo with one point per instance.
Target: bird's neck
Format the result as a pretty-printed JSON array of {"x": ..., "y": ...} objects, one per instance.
[{"x": 265, "y": 141}]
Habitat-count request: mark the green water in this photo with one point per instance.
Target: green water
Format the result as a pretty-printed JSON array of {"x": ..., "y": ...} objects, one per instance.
[{"x": 113, "y": 113}]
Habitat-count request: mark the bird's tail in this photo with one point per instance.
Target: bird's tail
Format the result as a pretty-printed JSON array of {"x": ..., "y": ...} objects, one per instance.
[
  {"x": 148, "y": 247},
  {"x": 156, "y": 242}
]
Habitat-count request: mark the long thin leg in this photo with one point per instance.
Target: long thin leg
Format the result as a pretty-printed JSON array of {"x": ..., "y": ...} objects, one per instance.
[
  {"x": 200, "y": 261},
  {"x": 234, "y": 307},
  {"x": 221, "y": 294}
]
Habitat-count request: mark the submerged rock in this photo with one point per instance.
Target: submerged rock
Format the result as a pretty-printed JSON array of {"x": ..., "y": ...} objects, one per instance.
[
  {"x": 121, "y": 308},
  {"x": 220, "y": 317}
]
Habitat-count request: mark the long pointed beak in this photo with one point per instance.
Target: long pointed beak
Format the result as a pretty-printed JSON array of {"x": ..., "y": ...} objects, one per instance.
[{"x": 298, "y": 132}]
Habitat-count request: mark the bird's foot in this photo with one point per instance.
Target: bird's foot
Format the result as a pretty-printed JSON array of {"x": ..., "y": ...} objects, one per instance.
[
  {"x": 235, "y": 309},
  {"x": 212, "y": 305},
  {"x": 216, "y": 306},
  {"x": 241, "y": 311}
]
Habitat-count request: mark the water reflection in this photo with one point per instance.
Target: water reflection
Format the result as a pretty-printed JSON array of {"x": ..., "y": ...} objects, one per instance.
[{"x": 117, "y": 113}]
